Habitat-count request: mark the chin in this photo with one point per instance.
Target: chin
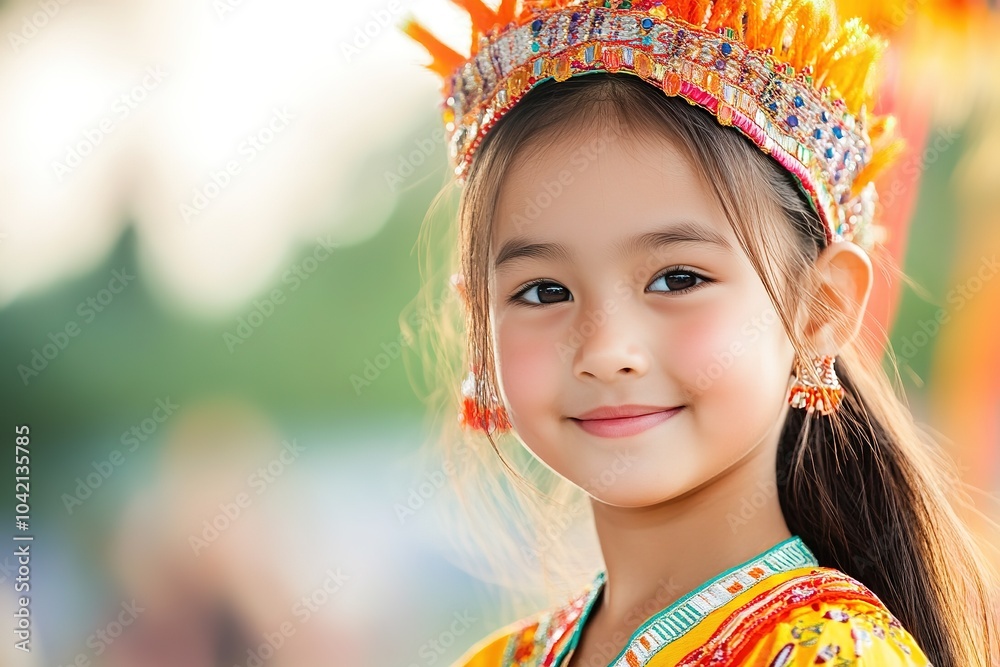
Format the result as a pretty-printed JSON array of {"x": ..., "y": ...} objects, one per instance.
[{"x": 629, "y": 494}]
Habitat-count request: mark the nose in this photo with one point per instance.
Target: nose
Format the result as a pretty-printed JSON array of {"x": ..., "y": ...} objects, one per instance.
[{"x": 609, "y": 346}]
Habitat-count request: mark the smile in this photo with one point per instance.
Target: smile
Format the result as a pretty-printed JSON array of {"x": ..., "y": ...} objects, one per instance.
[{"x": 625, "y": 426}]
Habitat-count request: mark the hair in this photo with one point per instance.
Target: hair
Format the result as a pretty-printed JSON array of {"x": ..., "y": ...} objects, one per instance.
[{"x": 865, "y": 488}]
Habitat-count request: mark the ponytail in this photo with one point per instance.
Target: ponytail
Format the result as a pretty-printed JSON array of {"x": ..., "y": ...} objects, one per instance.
[{"x": 869, "y": 493}]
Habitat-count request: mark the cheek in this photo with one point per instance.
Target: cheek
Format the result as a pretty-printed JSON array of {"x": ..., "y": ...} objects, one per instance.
[
  {"x": 528, "y": 368},
  {"x": 732, "y": 353}
]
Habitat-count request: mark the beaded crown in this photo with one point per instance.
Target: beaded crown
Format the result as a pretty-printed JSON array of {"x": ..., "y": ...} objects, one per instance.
[{"x": 786, "y": 73}]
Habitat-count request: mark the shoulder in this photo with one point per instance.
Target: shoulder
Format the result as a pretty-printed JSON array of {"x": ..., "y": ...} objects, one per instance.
[
  {"x": 528, "y": 640},
  {"x": 503, "y": 645},
  {"x": 841, "y": 623}
]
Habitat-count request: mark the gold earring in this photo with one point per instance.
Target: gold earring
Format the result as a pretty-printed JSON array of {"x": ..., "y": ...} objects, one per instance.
[{"x": 826, "y": 396}]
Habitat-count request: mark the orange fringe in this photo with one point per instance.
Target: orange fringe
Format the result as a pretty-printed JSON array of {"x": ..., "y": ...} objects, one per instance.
[
  {"x": 483, "y": 18},
  {"x": 505, "y": 12},
  {"x": 802, "y": 33},
  {"x": 445, "y": 59}
]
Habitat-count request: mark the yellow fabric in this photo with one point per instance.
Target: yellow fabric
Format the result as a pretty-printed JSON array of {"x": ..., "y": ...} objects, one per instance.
[
  {"x": 697, "y": 636},
  {"x": 840, "y": 632},
  {"x": 489, "y": 651}
]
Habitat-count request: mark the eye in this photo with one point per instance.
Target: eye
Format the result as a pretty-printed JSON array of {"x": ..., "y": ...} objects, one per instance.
[
  {"x": 544, "y": 291},
  {"x": 680, "y": 279}
]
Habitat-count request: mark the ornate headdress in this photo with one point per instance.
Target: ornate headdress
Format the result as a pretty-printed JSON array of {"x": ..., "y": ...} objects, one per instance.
[{"x": 785, "y": 73}]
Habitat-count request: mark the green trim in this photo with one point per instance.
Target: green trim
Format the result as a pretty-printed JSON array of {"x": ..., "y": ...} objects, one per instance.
[
  {"x": 787, "y": 555},
  {"x": 596, "y": 587}
]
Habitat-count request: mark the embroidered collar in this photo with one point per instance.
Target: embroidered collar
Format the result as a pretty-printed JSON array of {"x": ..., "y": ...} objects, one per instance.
[{"x": 677, "y": 619}]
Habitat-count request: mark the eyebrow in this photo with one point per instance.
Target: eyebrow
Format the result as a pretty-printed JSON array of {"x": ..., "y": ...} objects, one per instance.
[{"x": 682, "y": 233}]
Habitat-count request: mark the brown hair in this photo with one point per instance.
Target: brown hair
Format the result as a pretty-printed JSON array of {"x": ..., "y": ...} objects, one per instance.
[{"x": 867, "y": 490}]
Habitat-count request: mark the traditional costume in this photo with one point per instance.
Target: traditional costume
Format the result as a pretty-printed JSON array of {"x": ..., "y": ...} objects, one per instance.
[
  {"x": 799, "y": 84},
  {"x": 779, "y": 608}
]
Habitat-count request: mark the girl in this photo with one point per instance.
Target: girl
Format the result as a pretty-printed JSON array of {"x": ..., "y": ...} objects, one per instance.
[{"x": 663, "y": 222}]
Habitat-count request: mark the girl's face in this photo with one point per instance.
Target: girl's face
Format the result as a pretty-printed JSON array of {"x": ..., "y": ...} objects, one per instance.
[{"x": 617, "y": 281}]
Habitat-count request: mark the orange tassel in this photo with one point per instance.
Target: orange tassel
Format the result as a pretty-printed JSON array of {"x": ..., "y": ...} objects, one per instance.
[
  {"x": 755, "y": 23},
  {"x": 693, "y": 11},
  {"x": 772, "y": 27},
  {"x": 445, "y": 60},
  {"x": 505, "y": 12},
  {"x": 824, "y": 397},
  {"x": 483, "y": 18},
  {"x": 727, "y": 15},
  {"x": 882, "y": 158},
  {"x": 483, "y": 419},
  {"x": 813, "y": 25}
]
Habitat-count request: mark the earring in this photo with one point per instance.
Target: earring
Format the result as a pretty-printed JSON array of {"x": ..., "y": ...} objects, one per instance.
[
  {"x": 824, "y": 397},
  {"x": 477, "y": 416}
]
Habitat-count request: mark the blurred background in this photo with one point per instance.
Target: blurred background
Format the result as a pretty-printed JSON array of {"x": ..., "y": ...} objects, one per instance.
[{"x": 208, "y": 221}]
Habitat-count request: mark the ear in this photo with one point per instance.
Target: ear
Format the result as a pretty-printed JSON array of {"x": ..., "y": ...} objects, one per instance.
[{"x": 845, "y": 284}]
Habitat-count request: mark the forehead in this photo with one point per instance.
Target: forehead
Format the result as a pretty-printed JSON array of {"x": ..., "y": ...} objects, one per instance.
[{"x": 601, "y": 189}]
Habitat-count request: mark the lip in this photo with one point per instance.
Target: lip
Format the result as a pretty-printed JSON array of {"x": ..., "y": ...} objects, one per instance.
[{"x": 623, "y": 420}]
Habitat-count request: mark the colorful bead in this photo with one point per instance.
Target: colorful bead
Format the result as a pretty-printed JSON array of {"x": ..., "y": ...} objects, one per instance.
[
  {"x": 672, "y": 84},
  {"x": 755, "y": 93},
  {"x": 824, "y": 397}
]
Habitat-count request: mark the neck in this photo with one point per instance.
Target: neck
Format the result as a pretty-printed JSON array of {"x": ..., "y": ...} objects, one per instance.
[{"x": 657, "y": 554}]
